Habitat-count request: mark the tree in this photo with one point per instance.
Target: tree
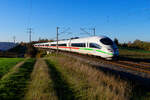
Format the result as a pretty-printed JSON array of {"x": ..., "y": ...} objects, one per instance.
[
  {"x": 31, "y": 51},
  {"x": 116, "y": 41}
]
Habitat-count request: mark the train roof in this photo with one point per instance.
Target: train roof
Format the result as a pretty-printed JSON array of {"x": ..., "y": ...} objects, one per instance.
[{"x": 78, "y": 39}]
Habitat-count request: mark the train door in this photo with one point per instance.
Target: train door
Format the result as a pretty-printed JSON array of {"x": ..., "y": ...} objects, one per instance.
[
  {"x": 89, "y": 49},
  {"x": 93, "y": 47},
  {"x": 70, "y": 46}
]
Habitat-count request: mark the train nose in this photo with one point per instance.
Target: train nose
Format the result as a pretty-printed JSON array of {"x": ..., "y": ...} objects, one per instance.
[
  {"x": 113, "y": 51},
  {"x": 116, "y": 52},
  {"x": 110, "y": 50}
]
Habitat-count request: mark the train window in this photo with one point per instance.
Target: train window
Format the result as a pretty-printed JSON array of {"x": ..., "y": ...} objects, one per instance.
[
  {"x": 78, "y": 44},
  {"x": 53, "y": 44},
  {"x": 94, "y": 45},
  {"x": 46, "y": 44},
  {"x": 106, "y": 41},
  {"x": 62, "y": 45}
]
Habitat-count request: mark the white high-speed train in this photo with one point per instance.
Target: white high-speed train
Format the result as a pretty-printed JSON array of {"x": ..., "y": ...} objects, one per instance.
[{"x": 97, "y": 45}]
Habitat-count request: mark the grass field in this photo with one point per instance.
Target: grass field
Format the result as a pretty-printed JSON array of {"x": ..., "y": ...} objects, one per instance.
[
  {"x": 59, "y": 77},
  {"x": 73, "y": 80},
  {"x": 134, "y": 53},
  {"x": 40, "y": 87},
  {"x": 13, "y": 86},
  {"x": 87, "y": 83},
  {"x": 7, "y": 63}
]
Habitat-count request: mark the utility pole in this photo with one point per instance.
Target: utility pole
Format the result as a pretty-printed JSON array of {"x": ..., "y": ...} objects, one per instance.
[
  {"x": 57, "y": 35},
  {"x": 94, "y": 31},
  {"x": 57, "y": 28},
  {"x": 14, "y": 38},
  {"x": 30, "y": 32}
]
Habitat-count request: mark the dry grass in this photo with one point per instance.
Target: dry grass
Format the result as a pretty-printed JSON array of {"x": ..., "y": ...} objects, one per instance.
[
  {"x": 40, "y": 86},
  {"x": 92, "y": 84}
]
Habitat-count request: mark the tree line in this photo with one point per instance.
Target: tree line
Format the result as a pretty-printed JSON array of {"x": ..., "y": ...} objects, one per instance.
[{"x": 137, "y": 44}]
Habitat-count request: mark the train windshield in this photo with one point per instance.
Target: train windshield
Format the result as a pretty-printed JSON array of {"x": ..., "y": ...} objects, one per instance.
[
  {"x": 94, "y": 45},
  {"x": 106, "y": 41}
]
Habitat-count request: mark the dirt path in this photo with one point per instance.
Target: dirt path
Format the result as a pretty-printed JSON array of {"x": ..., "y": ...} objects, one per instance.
[{"x": 40, "y": 87}]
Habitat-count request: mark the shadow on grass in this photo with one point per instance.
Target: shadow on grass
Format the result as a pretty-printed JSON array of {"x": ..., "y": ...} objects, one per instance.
[{"x": 63, "y": 91}]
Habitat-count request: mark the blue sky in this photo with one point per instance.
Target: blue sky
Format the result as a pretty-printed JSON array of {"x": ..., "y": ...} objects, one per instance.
[{"x": 126, "y": 20}]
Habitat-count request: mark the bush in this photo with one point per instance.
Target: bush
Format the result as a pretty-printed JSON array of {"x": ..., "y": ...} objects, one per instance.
[{"x": 31, "y": 51}]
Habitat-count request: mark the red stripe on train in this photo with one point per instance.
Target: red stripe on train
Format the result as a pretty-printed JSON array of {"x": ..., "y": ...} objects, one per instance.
[{"x": 59, "y": 47}]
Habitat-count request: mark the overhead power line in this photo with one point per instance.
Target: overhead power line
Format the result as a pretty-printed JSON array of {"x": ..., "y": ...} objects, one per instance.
[
  {"x": 30, "y": 13},
  {"x": 65, "y": 30},
  {"x": 86, "y": 32},
  {"x": 58, "y": 33}
]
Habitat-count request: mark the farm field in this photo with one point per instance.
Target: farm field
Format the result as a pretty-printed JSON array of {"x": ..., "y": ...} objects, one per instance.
[
  {"x": 52, "y": 77},
  {"x": 59, "y": 77},
  {"x": 13, "y": 86},
  {"x": 134, "y": 53},
  {"x": 7, "y": 63}
]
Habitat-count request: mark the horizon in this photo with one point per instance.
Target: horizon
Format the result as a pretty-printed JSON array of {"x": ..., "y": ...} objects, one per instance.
[{"x": 125, "y": 20}]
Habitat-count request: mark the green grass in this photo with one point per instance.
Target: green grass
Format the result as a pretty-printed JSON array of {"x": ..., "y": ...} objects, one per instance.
[
  {"x": 134, "y": 49},
  {"x": 13, "y": 87},
  {"x": 134, "y": 53},
  {"x": 7, "y": 63}
]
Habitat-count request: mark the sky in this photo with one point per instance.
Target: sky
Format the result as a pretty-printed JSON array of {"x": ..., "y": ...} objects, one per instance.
[{"x": 125, "y": 20}]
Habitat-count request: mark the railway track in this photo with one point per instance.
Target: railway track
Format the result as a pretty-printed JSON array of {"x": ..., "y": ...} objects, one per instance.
[
  {"x": 132, "y": 65},
  {"x": 145, "y": 63},
  {"x": 135, "y": 64},
  {"x": 143, "y": 67}
]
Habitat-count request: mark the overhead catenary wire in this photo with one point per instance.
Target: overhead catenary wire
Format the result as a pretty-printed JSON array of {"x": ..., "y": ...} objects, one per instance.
[
  {"x": 30, "y": 13},
  {"x": 88, "y": 33},
  {"x": 29, "y": 26}
]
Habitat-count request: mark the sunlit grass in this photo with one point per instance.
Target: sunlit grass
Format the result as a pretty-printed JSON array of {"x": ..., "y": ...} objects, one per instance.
[
  {"x": 13, "y": 86},
  {"x": 7, "y": 63},
  {"x": 88, "y": 83},
  {"x": 40, "y": 87}
]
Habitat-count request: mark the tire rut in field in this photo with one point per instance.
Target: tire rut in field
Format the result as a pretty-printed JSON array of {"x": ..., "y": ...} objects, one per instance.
[
  {"x": 14, "y": 69},
  {"x": 7, "y": 64},
  {"x": 13, "y": 86},
  {"x": 60, "y": 84},
  {"x": 40, "y": 86}
]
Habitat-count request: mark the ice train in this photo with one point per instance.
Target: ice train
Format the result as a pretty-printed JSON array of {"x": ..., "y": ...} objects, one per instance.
[{"x": 96, "y": 45}]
